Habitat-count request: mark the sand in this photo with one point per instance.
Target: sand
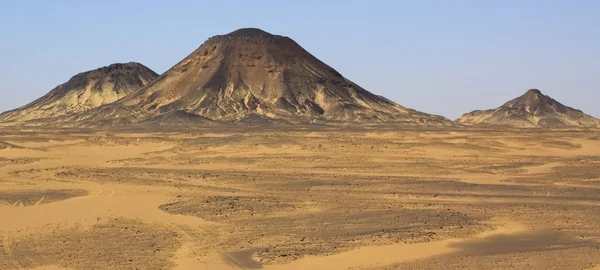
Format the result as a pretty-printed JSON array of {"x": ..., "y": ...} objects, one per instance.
[{"x": 227, "y": 198}]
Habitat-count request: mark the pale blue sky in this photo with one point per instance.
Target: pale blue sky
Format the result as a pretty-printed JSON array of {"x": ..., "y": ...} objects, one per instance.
[{"x": 442, "y": 57}]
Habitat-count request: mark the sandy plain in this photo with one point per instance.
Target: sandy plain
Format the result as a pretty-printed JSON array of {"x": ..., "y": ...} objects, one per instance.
[{"x": 301, "y": 198}]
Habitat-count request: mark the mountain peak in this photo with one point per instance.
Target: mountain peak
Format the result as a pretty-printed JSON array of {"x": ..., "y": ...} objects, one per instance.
[
  {"x": 248, "y": 35},
  {"x": 532, "y": 97},
  {"x": 116, "y": 68},
  {"x": 123, "y": 65},
  {"x": 248, "y": 32},
  {"x": 532, "y": 109}
]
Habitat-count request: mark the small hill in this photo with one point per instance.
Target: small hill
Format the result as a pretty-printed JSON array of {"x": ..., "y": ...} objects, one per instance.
[
  {"x": 533, "y": 109},
  {"x": 85, "y": 91}
]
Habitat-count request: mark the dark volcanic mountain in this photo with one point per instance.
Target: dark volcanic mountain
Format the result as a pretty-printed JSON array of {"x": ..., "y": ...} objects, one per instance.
[
  {"x": 250, "y": 75},
  {"x": 85, "y": 91},
  {"x": 533, "y": 109}
]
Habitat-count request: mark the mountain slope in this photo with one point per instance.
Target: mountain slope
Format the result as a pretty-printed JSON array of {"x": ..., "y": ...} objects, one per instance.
[
  {"x": 533, "y": 109},
  {"x": 251, "y": 73},
  {"x": 85, "y": 91}
]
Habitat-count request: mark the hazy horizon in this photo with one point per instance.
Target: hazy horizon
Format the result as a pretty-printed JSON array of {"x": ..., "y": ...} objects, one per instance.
[{"x": 437, "y": 57}]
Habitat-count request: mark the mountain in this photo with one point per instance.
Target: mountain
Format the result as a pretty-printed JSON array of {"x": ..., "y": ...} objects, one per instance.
[
  {"x": 533, "y": 109},
  {"x": 252, "y": 76},
  {"x": 85, "y": 91}
]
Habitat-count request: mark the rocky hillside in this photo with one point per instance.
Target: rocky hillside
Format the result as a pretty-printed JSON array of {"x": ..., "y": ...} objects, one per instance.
[
  {"x": 85, "y": 91},
  {"x": 250, "y": 75},
  {"x": 533, "y": 109}
]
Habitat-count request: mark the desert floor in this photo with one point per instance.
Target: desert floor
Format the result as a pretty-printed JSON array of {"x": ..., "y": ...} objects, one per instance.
[{"x": 299, "y": 199}]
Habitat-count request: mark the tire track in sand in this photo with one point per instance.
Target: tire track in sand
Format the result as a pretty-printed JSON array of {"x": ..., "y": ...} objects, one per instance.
[
  {"x": 194, "y": 250},
  {"x": 112, "y": 193},
  {"x": 40, "y": 201}
]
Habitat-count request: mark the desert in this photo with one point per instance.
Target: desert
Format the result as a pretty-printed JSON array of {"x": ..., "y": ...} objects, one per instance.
[
  {"x": 299, "y": 198},
  {"x": 253, "y": 153}
]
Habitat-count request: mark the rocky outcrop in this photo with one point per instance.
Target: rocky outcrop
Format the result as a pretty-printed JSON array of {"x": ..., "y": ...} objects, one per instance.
[
  {"x": 85, "y": 91},
  {"x": 533, "y": 109},
  {"x": 252, "y": 76}
]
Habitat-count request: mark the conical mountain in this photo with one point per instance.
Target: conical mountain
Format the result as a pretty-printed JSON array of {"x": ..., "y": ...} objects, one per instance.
[
  {"x": 85, "y": 91},
  {"x": 250, "y": 74},
  {"x": 533, "y": 109}
]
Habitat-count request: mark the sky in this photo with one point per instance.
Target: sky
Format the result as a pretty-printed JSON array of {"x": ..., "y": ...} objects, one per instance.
[{"x": 442, "y": 57}]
